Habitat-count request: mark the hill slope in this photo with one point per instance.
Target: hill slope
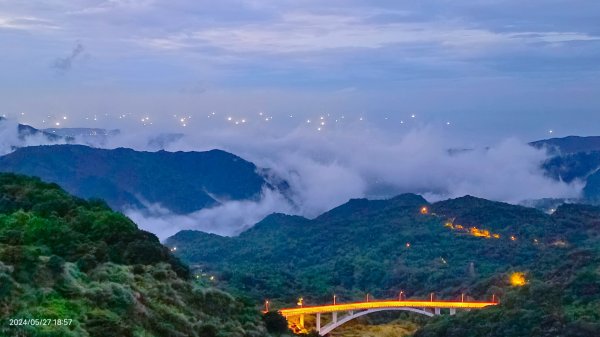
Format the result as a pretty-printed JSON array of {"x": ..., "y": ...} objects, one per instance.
[
  {"x": 182, "y": 181},
  {"x": 63, "y": 258},
  {"x": 362, "y": 247},
  {"x": 465, "y": 245}
]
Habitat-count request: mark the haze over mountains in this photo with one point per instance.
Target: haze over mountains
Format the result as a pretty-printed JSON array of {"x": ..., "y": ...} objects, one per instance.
[{"x": 167, "y": 192}]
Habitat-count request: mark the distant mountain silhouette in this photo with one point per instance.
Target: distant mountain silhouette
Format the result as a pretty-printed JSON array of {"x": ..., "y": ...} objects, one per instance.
[
  {"x": 183, "y": 182},
  {"x": 569, "y": 145},
  {"x": 25, "y": 131}
]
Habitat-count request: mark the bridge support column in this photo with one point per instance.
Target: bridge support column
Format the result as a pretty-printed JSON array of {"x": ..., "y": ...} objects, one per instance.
[
  {"x": 318, "y": 322},
  {"x": 452, "y": 311},
  {"x": 334, "y": 317},
  {"x": 437, "y": 311},
  {"x": 302, "y": 321}
]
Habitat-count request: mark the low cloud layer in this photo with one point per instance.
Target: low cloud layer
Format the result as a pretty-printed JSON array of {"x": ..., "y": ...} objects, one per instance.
[
  {"x": 229, "y": 219},
  {"x": 11, "y": 138},
  {"x": 326, "y": 168}
]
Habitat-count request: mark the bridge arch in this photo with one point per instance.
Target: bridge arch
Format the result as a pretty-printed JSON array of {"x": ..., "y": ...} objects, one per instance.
[{"x": 333, "y": 325}]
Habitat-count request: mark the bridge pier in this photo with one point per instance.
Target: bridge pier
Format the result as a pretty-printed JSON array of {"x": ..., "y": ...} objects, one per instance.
[
  {"x": 452, "y": 311},
  {"x": 437, "y": 311},
  {"x": 319, "y": 322},
  {"x": 302, "y": 321},
  {"x": 334, "y": 316}
]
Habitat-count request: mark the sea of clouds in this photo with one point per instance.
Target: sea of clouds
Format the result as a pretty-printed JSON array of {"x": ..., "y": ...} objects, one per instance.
[{"x": 326, "y": 168}]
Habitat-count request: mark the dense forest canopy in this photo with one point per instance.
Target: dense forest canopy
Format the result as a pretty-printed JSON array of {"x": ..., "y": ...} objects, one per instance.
[{"x": 62, "y": 257}]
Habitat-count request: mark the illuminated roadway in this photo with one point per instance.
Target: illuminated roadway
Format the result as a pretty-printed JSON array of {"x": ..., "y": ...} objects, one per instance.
[{"x": 357, "y": 309}]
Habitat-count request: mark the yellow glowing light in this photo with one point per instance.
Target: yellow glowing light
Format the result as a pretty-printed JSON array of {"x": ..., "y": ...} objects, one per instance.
[
  {"x": 513, "y": 238},
  {"x": 424, "y": 210},
  {"x": 474, "y": 231},
  {"x": 517, "y": 279},
  {"x": 289, "y": 312},
  {"x": 483, "y": 233}
]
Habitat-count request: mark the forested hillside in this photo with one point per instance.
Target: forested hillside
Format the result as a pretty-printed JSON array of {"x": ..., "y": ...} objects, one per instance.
[
  {"x": 541, "y": 266},
  {"x": 83, "y": 270}
]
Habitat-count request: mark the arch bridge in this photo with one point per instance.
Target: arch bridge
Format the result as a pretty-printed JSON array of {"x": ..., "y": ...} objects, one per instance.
[{"x": 343, "y": 313}]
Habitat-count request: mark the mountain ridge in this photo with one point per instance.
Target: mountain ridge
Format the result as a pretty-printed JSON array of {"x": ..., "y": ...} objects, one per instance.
[{"x": 181, "y": 181}]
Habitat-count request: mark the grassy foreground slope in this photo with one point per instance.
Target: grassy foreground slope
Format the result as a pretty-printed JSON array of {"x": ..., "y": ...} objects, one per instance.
[{"x": 65, "y": 258}]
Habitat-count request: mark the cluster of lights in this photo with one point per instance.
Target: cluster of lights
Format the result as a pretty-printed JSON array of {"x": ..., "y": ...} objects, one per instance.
[
  {"x": 183, "y": 120},
  {"x": 210, "y": 277},
  {"x": 146, "y": 121},
  {"x": 474, "y": 231},
  {"x": 318, "y": 123}
]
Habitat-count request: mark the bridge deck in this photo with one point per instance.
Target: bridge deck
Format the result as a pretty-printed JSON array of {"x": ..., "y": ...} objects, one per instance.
[{"x": 383, "y": 304}]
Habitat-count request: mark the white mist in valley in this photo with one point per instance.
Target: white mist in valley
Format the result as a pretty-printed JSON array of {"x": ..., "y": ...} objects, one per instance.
[{"x": 325, "y": 167}]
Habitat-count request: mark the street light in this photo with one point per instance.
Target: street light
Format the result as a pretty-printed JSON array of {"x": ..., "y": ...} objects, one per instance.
[
  {"x": 334, "y": 297},
  {"x": 267, "y": 305},
  {"x": 400, "y": 296},
  {"x": 431, "y": 297}
]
